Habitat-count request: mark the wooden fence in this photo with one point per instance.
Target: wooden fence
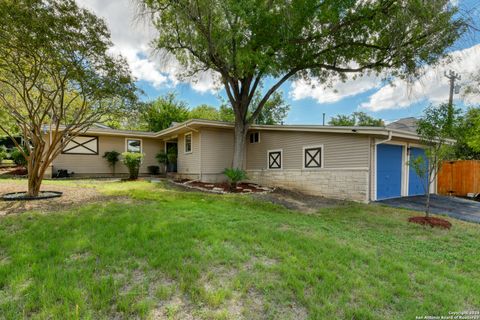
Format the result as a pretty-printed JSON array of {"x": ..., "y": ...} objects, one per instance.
[{"x": 459, "y": 177}]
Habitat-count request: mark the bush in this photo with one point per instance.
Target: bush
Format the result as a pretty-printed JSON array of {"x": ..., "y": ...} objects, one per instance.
[
  {"x": 162, "y": 157},
  {"x": 234, "y": 176},
  {"x": 154, "y": 170},
  {"x": 3, "y": 153},
  {"x": 18, "y": 158},
  {"x": 132, "y": 161},
  {"x": 112, "y": 157}
]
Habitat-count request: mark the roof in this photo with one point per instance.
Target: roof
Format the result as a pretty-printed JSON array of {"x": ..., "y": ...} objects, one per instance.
[
  {"x": 396, "y": 129},
  {"x": 194, "y": 124},
  {"x": 406, "y": 124}
]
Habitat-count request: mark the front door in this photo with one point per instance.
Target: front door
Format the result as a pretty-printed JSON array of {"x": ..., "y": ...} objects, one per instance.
[{"x": 172, "y": 155}]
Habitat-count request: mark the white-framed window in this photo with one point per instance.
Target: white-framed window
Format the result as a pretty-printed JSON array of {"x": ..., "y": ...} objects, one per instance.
[
  {"x": 133, "y": 145},
  {"x": 254, "y": 137},
  {"x": 313, "y": 157},
  {"x": 188, "y": 142},
  {"x": 275, "y": 159}
]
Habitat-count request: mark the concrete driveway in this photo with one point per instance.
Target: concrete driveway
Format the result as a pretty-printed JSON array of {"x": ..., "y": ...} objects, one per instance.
[{"x": 459, "y": 208}]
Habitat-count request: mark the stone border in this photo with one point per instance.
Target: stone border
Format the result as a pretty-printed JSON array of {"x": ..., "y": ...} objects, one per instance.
[
  {"x": 219, "y": 190},
  {"x": 51, "y": 194}
]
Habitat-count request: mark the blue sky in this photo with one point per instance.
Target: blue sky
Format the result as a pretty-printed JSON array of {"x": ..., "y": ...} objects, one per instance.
[{"x": 369, "y": 94}]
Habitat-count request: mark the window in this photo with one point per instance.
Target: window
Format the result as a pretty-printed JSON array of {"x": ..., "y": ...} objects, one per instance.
[
  {"x": 275, "y": 159},
  {"x": 188, "y": 142},
  {"x": 82, "y": 145},
  {"x": 134, "y": 145},
  {"x": 255, "y": 137},
  {"x": 313, "y": 157}
]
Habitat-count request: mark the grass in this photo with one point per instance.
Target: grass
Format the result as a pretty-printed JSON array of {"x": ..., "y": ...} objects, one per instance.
[{"x": 162, "y": 253}]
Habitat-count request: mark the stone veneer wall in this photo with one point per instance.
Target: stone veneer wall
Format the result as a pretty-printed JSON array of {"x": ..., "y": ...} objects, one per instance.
[{"x": 332, "y": 183}]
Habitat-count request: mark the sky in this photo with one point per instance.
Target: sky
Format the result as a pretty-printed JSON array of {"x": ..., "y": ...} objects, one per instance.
[{"x": 156, "y": 75}]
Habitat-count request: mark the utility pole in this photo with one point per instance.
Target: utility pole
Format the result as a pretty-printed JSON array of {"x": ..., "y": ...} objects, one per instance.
[{"x": 452, "y": 76}]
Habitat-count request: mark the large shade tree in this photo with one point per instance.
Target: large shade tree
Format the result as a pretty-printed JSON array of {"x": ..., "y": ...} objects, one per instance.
[
  {"x": 56, "y": 77},
  {"x": 247, "y": 41}
]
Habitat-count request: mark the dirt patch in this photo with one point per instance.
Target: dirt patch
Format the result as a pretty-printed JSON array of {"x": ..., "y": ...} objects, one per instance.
[
  {"x": 431, "y": 221},
  {"x": 71, "y": 196},
  {"x": 295, "y": 200}
]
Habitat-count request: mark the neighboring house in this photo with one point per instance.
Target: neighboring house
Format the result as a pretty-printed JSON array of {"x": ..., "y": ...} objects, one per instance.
[{"x": 357, "y": 163}]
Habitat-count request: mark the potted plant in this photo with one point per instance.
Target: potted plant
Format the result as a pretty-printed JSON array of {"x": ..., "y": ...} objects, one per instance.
[
  {"x": 112, "y": 158},
  {"x": 132, "y": 161},
  {"x": 162, "y": 159}
]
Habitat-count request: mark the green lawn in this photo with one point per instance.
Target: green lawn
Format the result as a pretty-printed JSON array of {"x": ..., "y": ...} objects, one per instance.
[{"x": 165, "y": 254}]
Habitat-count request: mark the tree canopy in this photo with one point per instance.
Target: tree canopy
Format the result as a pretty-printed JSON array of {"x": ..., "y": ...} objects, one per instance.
[
  {"x": 247, "y": 41},
  {"x": 360, "y": 119},
  {"x": 467, "y": 134},
  {"x": 163, "y": 111},
  {"x": 57, "y": 76}
]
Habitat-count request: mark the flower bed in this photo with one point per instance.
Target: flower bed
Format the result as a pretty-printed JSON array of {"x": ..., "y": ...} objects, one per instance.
[
  {"x": 222, "y": 187},
  {"x": 431, "y": 221}
]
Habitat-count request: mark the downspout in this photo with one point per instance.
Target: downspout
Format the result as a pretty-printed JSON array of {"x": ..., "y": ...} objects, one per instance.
[
  {"x": 199, "y": 150},
  {"x": 386, "y": 140}
]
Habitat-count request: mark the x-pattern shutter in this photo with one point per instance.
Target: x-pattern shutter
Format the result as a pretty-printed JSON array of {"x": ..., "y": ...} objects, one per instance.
[
  {"x": 82, "y": 145},
  {"x": 275, "y": 160},
  {"x": 313, "y": 158}
]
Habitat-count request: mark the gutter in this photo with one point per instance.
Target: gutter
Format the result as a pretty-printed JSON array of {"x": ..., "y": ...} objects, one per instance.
[{"x": 386, "y": 140}]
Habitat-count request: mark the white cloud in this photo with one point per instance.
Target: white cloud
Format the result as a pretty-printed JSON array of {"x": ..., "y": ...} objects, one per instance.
[
  {"x": 432, "y": 86},
  {"x": 336, "y": 92},
  {"x": 131, "y": 37}
]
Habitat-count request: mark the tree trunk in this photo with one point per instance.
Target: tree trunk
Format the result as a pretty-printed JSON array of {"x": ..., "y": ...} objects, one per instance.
[
  {"x": 34, "y": 183},
  {"x": 241, "y": 129},
  {"x": 427, "y": 207}
]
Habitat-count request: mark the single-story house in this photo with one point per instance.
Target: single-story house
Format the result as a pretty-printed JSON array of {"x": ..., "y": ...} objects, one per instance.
[{"x": 357, "y": 163}]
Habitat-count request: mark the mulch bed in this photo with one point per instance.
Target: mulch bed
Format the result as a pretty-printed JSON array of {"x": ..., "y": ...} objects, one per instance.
[
  {"x": 223, "y": 187},
  {"x": 13, "y": 171},
  {"x": 431, "y": 221}
]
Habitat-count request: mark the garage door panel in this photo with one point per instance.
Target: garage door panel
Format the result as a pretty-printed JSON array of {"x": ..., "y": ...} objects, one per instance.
[
  {"x": 389, "y": 171},
  {"x": 415, "y": 184}
]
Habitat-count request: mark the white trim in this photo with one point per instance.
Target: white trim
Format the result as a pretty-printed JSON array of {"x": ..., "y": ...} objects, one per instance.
[
  {"x": 185, "y": 142},
  {"x": 317, "y": 169},
  {"x": 281, "y": 159},
  {"x": 322, "y": 158},
  {"x": 126, "y": 144}
]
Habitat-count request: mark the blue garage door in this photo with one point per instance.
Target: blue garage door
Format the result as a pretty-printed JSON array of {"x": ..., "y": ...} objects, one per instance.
[
  {"x": 389, "y": 171},
  {"x": 415, "y": 185}
]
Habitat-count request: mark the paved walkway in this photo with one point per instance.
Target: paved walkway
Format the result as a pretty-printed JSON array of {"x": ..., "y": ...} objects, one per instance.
[{"x": 459, "y": 208}]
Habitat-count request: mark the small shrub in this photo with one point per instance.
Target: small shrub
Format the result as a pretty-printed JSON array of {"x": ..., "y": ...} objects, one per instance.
[
  {"x": 3, "y": 153},
  {"x": 154, "y": 170},
  {"x": 132, "y": 161},
  {"x": 234, "y": 176},
  {"x": 18, "y": 158},
  {"x": 162, "y": 157},
  {"x": 112, "y": 157}
]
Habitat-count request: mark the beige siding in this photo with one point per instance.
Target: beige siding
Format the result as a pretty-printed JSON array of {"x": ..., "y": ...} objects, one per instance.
[
  {"x": 340, "y": 150},
  {"x": 188, "y": 163},
  {"x": 217, "y": 150},
  {"x": 96, "y": 165}
]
